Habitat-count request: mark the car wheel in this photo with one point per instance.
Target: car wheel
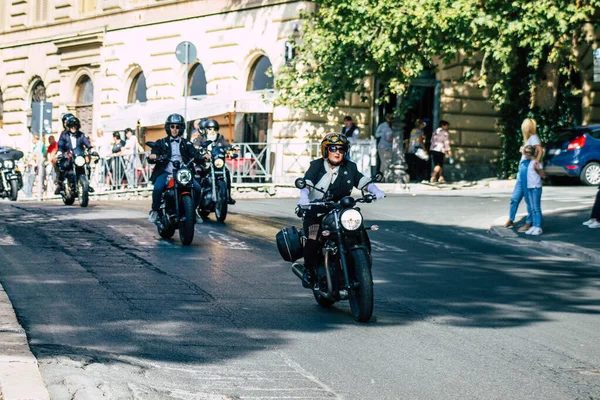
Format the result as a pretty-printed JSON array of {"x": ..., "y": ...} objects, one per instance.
[{"x": 590, "y": 174}]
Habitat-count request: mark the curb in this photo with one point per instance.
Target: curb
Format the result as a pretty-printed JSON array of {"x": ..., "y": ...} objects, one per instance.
[
  {"x": 20, "y": 377},
  {"x": 556, "y": 247}
]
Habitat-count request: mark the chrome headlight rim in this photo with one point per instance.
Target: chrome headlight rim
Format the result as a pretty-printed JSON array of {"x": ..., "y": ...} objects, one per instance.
[
  {"x": 351, "y": 219},
  {"x": 79, "y": 161},
  {"x": 219, "y": 163},
  {"x": 183, "y": 176}
]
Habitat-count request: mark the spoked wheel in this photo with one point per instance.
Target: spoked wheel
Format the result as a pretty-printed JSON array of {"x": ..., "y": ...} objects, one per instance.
[
  {"x": 83, "y": 188},
  {"x": 361, "y": 296},
  {"x": 67, "y": 195},
  {"x": 186, "y": 228},
  {"x": 14, "y": 190},
  {"x": 166, "y": 229},
  {"x": 221, "y": 205}
]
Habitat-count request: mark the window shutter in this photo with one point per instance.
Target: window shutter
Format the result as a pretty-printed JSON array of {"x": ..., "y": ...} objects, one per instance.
[{"x": 41, "y": 10}]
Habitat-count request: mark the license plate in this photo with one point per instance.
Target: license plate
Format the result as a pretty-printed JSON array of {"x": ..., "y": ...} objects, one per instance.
[{"x": 554, "y": 152}]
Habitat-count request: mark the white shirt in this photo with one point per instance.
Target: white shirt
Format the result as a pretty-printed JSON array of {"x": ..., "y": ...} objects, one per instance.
[
  {"x": 534, "y": 180},
  {"x": 73, "y": 141},
  {"x": 533, "y": 140},
  {"x": 175, "y": 154}
]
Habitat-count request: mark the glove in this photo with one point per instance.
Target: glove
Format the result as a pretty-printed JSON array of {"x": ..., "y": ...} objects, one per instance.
[
  {"x": 304, "y": 201},
  {"x": 375, "y": 191}
]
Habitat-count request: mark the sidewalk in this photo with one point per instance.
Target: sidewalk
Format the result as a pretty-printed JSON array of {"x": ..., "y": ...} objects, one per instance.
[
  {"x": 564, "y": 235},
  {"x": 20, "y": 377}
]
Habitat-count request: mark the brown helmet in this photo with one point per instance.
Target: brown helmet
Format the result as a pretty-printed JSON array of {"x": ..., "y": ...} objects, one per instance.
[{"x": 333, "y": 139}]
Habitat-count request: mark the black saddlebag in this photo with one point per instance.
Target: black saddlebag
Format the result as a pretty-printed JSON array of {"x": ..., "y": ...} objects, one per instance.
[{"x": 289, "y": 244}]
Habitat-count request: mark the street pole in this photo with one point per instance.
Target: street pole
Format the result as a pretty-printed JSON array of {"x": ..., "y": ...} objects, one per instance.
[
  {"x": 40, "y": 162},
  {"x": 185, "y": 87}
]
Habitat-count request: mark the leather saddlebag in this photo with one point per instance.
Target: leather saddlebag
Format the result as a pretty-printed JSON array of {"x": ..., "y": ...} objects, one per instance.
[{"x": 289, "y": 244}]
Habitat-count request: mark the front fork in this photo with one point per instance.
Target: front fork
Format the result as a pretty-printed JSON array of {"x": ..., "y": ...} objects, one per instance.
[{"x": 4, "y": 181}]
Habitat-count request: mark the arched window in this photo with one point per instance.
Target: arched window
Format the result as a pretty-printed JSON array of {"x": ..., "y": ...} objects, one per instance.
[
  {"x": 38, "y": 93},
  {"x": 85, "y": 91},
  {"x": 197, "y": 81},
  {"x": 137, "y": 92},
  {"x": 261, "y": 75}
]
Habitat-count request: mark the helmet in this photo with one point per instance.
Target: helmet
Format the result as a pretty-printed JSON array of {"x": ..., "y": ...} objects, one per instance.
[
  {"x": 177, "y": 120},
  {"x": 65, "y": 117},
  {"x": 211, "y": 135},
  {"x": 202, "y": 125},
  {"x": 333, "y": 139},
  {"x": 73, "y": 122}
]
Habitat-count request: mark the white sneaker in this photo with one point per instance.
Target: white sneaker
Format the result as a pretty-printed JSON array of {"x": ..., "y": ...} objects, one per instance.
[
  {"x": 536, "y": 232},
  {"x": 594, "y": 225},
  {"x": 589, "y": 222},
  {"x": 152, "y": 216},
  {"x": 530, "y": 230}
]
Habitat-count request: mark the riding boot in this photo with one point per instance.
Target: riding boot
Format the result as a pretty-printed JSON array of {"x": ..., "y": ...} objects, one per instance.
[{"x": 311, "y": 247}]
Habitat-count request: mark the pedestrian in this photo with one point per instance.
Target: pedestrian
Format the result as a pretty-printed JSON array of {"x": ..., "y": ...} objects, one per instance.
[
  {"x": 350, "y": 130},
  {"x": 594, "y": 221},
  {"x": 384, "y": 147},
  {"x": 116, "y": 169},
  {"x": 416, "y": 155},
  {"x": 440, "y": 146},
  {"x": 535, "y": 173},
  {"x": 129, "y": 153},
  {"x": 529, "y": 131},
  {"x": 103, "y": 146},
  {"x": 51, "y": 166}
]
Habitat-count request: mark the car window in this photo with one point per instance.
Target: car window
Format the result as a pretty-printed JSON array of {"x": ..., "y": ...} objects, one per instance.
[{"x": 595, "y": 134}]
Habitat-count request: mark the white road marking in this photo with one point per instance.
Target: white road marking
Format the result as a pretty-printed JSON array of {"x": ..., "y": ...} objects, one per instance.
[
  {"x": 378, "y": 246},
  {"x": 5, "y": 238},
  {"x": 227, "y": 241}
]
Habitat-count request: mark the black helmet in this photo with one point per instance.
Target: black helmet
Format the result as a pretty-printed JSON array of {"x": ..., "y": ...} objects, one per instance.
[
  {"x": 65, "y": 117},
  {"x": 177, "y": 120},
  {"x": 73, "y": 122},
  {"x": 211, "y": 123},
  {"x": 202, "y": 125}
]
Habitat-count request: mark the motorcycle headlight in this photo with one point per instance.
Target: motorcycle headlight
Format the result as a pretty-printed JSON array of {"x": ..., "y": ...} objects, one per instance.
[
  {"x": 184, "y": 176},
  {"x": 351, "y": 219},
  {"x": 9, "y": 164},
  {"x": 219, "y": 162},
  {"x": 79, "y": 161}
]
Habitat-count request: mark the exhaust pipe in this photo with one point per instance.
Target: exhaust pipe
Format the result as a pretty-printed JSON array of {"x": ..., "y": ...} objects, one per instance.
[{"x": 298, "y": 270}]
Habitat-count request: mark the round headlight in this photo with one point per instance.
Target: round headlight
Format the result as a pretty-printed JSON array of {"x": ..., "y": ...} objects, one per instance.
[
  {"x": 9, "y": 164},
  {"x": 351, "y": 219},
  {"x": 79, "y": 161},
  {"x": 184, "y": 176},
  {"x": 219, "y": 162}
]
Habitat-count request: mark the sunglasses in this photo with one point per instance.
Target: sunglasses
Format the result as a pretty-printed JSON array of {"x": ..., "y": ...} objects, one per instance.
[
  {"x": 178, "y": 127},
  {"x": 210, "y": 128},
  {"x": 336, "y": 149}
]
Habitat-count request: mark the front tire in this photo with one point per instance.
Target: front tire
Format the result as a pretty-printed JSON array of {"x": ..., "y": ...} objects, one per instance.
[
  {"x": 186, "y": 228},
  {"x": 14, "y": 190},
  {"x": 590, "y": 174},
  {"x": 221, "y": 205},
  {"x": 83, "y": 188},
  {"x": 67, "y": 196},
  {"x": 361, "y": 297}
]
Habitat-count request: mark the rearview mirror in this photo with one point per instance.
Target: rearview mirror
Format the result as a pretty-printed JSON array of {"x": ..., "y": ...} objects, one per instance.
[
  {"x": 300, "y": 183},
  {"x": 378, "y": 177}
]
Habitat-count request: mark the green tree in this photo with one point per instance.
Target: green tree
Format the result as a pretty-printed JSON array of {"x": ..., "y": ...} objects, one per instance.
[{"x": 508, "y": 47}]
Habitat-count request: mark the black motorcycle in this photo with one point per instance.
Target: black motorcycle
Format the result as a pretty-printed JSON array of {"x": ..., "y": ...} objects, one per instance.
[
  {"x": 344, "y": 268},
  {"x": 177, "y": 203},
  {"x": 76, "y": 184},
  {"x": 213, "y": 181},
  {"x": 11, "y": 180}
]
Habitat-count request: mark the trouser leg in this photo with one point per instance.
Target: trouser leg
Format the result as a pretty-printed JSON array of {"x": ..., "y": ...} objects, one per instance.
[
  {"x": 159, "y": 186},
  {"x": 596, "y": 209}
]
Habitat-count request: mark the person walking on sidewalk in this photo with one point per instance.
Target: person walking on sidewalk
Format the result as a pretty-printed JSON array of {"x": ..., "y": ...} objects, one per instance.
[
  {"x": 440, "y": 146},
  {"x": 594, "y": 221},
  {"x": 535, "y": 173},
  {"x": 529, "y": 130}
]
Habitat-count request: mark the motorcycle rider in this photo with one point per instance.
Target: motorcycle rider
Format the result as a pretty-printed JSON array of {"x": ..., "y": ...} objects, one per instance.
[
  {"x": 172, "y": 148},
  {"x": 211, "y": 135},
  {"x": 333, "y": 174},
  {"x": 70, "y": 140}
]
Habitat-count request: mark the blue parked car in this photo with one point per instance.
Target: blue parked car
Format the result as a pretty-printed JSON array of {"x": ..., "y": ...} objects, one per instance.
[{"x": 575, "y": 153}]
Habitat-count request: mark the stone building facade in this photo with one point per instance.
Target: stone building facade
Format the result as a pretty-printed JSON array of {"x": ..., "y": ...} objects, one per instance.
[{"x": 113, "y": 63}]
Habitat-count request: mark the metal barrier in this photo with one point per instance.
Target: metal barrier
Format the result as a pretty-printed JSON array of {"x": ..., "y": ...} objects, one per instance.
[{"x": 257, "y": 164}]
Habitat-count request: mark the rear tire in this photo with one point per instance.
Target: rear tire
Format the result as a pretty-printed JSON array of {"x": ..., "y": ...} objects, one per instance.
[
  {"x": 14, "y": 190},
  {"x": 221, "y": 204},
  {"x": 83, "y": 189},
  {"x": 186, "y": 228},
  {"x": 590, "y": 174},
  {"x": 361, "y": 298}
]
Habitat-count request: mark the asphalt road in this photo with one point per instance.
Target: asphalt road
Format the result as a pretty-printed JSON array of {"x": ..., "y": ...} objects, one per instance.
[{"x": 112, "y": 311}]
